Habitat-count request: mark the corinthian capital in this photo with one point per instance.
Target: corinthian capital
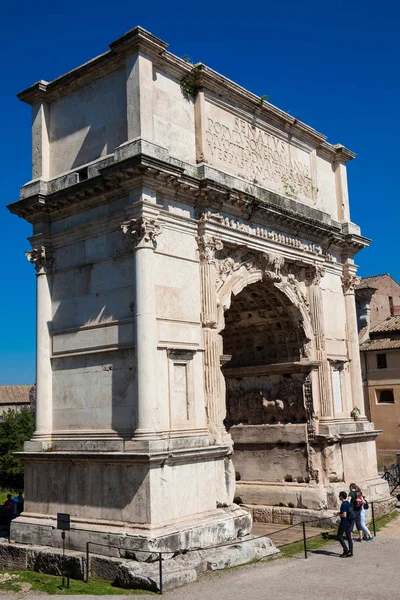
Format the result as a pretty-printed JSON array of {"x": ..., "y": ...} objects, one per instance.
[
  {"x": 143, "y": 231},
  {"x": 314, "y": 274},
  {"x": 349, "y": 281},
  {"x": 208, "y": 246},
  {"x": 41, "y": 258}
]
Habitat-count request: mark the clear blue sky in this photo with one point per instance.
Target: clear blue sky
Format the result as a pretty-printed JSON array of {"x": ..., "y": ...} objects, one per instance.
[{"x": 334, "y": 65}]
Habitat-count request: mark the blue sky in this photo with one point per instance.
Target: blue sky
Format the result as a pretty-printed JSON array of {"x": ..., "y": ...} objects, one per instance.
[{"x": 334, "y": 65}]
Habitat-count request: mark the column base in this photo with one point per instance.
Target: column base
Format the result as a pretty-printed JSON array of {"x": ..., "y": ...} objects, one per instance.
[
  {"x": 110, "y": 441},
  {"x": 149, "y": 441},
  {"x": 77, "y": 441},
  {"x": 40, "y": 442}
]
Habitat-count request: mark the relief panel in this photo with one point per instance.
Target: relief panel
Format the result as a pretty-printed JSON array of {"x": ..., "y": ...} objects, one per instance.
[{"x": 265, "y": 400}]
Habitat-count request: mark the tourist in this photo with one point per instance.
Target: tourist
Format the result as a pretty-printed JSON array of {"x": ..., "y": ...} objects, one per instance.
[
  {"x": 19, "y": 504},
  {"x": 8, "y": 507},
  {"x": 346, "y": 525},
  {"x": 358, "y": 501}
]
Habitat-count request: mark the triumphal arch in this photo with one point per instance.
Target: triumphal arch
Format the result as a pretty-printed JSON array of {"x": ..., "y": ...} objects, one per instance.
[{"x": 196, "y": 325}]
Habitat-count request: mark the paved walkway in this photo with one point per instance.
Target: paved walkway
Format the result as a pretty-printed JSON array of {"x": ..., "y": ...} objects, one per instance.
[{"x": 373, "y": 574}]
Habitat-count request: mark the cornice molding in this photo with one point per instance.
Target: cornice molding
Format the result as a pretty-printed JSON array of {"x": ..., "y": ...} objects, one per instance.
[{"x": 203, "y": 193}]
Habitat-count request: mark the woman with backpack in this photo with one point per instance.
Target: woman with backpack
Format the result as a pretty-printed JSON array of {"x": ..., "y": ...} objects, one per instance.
[{"x": 358, "y": 502}]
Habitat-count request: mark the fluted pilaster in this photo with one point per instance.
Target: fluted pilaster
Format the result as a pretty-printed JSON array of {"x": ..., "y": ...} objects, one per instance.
[
  {"x": 349, "y": 282},
  {"x": 314, "y": 276},
  {"x": 215, "y": 403}
]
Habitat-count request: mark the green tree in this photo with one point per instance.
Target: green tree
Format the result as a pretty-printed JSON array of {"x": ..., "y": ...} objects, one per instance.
[{"x": 16, "y": 428}]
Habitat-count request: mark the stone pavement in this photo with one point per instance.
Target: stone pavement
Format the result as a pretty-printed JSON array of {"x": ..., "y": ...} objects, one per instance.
[
  {"x": 284, "y": 534},
  {"x": 373, "y": 574}
]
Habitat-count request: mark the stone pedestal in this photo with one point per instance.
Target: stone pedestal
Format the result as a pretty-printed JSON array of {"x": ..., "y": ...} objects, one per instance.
[{"x": 162, "y": 501}]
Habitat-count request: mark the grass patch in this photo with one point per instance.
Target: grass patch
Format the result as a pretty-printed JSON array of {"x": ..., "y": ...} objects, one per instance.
[
  {"x": 385, "y": 520},
  {"x": 51, "y": 584},
  {"x": 313, "y": 543}
]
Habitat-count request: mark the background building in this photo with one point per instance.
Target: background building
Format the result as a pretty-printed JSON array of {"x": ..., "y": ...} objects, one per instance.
[
  {"x": 15, "y": 397},
  {"x": 378, "y": 310}
]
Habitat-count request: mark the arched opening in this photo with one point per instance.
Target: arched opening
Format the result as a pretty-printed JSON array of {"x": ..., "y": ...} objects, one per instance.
[{"x": 265, "y": 372}]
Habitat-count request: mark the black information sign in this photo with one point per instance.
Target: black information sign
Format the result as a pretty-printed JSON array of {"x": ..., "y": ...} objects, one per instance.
[{"x": 63, "y": 521}]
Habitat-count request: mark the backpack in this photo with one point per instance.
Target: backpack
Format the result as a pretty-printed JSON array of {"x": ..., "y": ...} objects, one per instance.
[
  {"x": 350, "y": 514},
  {"x": 357, "y": 501}
]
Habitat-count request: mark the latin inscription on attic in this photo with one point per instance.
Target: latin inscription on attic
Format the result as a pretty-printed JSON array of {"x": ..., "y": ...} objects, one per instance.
[{"x": 257, "y": 154}]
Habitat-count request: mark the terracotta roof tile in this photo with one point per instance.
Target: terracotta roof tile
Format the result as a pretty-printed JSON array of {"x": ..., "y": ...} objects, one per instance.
[
  {"x": 14, "y": 394},
  {"x": 380, "y": 344},
  {"x": 371, "y": 279},
  {"x": 389, "y": 324}
]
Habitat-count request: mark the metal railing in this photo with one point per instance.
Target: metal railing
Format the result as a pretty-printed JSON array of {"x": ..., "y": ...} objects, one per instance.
[
  {"x": 392, "y": 476},
  {"x": 214, "y": 547}
]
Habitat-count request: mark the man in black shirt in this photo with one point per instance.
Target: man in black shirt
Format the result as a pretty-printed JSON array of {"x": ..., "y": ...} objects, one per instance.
[{"x": 346, "y": 525}]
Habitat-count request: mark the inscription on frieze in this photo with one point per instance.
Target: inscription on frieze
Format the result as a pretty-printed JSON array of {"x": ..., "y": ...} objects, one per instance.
[{"x": 257, "y": 154}]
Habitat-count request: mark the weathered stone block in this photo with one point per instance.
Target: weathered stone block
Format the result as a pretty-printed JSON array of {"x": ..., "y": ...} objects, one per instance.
[
  {"x": 52, "y": 562},
  {"x": 262, "y": 514},
  {"x": 314, "y": 518},
  {"x": 13, "y": 557},
  {"x": 147, "y": 577},
  {"x": 269, "y": 494},
  {"x": 191, "y": 560},
  {"x": 281, "y": 515},
  {"x": 223, "y": 558},
  {"x": 148, "y": 557},
  {"x": 264, "y": 548},
  {"x": 182, "y": 568},
  {"x": 314, "y": 498},
  {"x": 104, "y": 568},
  {"x": 34, "y": 534}
]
